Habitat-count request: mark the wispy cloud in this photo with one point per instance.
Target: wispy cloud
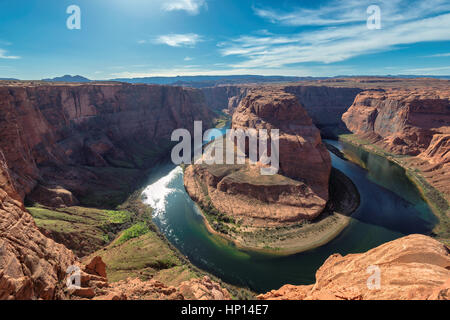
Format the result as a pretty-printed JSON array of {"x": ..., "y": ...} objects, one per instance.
[
  {"x": 190, "y": 6},
  {"x": 179, "y": 40},
  {"x": 188, "y": 59},
  {"x": 3, "y": 55},
  {"x": 340, "y": 33},
  {"x": 342, "y": 12},
  {"x": 438, "y": 55}
]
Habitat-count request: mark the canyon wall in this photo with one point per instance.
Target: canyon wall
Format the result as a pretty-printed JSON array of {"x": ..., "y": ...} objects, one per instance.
[
  {"x": 61, "y": 135},
  {"x": 31, "y": 265},
  {"x": 412, "y": 122},
  {"x": 59, "y": 143},
  {"x": 413, "y": 267},
  {"x": 225, "y": 97},
  {"x": 325, "y": 105}
]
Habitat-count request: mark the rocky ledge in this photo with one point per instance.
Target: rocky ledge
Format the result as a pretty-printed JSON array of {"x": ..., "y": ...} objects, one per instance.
[
  {"x": 94, "y": 285},
  {"x": 413, "y": 267}
]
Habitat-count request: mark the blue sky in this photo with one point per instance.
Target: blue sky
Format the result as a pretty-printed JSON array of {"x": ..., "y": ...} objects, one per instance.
[{"x": 137, "y": 38}]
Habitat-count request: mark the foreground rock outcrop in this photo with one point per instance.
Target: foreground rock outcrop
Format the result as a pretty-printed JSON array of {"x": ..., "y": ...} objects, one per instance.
[
  {"x": 95, "y": 286},
  {"x": 31, "y": 265},
  {"x": 408, "y": 122},
  {"x": 413, "y": 267}
]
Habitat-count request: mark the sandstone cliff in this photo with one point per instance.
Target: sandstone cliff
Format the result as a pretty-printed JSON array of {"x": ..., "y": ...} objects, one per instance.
[
  {"x": 325, "y": 105},
  {"x": 407, "y": 122},
  {"x": 60, "y": 144},
  {"x": 56, "y": 136},
  {"x": 302, "y": 155},
  {"x": 299, "y": 191},
  {"x": 263, "y": 211},
  {"x": 31, "y": 265},
  {"x": 225, "y": 97},
  {"x": 413, "y": 267}
]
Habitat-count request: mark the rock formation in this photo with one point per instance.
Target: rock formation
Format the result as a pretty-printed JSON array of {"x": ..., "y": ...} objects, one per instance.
[
  {"x": 413, "y": 267},
  {"x": 59, "y": 143},
  {"x": 53, "y": 134},
  {"x": 299, "y": 191},
  {"x": 31, "y": 265},
  {"x": 407, "y": 122},
  {"x": 95, "y": 286},
  {"x": 325, "y": 105},
  {"x": 302, "y": 155},
  {"x": 225, "y": 97}
]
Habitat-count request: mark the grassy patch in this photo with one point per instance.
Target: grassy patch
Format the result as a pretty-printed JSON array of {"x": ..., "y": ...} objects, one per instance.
[
  {"x": 81, "y": 229},
  {"x": 143, "y": 256},
  {"x": 134, "y": 231}
]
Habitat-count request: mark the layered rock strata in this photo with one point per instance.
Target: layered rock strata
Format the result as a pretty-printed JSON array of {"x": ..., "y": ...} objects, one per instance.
[
  {"x": 55, "y": 136},
  {"x": 298, "y": 192},
  {"x": 413, "y": 267},
  {"x": 415, "y": 123}
]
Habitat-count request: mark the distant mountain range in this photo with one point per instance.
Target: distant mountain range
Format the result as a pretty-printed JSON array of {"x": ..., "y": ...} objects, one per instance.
[
  {"x": 211, "y": 81},
  {"x": 68, "y": 78}
]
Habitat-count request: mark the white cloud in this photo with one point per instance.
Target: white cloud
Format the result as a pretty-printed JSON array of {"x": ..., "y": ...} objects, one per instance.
[
  {"x": 190, "y": 6},
  {"x": 179, "y": 40},
  {"x": 341, "y": 33},
  {"x": 188, "y": 59},
  {"x": 342, "y": 12},
  {"x": 438, "y": 55},
  {"x": 3, "y": 55}
]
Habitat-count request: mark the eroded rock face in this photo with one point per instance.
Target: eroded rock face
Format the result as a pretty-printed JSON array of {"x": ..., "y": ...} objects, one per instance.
[
  {"x": 51, "y": 132},
  {"x": 407, "y": 122},
  {"x": 52, "y": 137},
  {"x": 302, "y": 155},
  {"x": 31, "y": 265},
  {"x": 95, "y": 286},
  {"x": 413, "y": 267},
  {"x": 225, "y": 97},
  {"x": 325, "y": 105},
  {"x": 300, "y": 190}
]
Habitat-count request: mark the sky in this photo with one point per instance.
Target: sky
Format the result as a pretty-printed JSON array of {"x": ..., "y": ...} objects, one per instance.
[{"x": 139, "y": 38}]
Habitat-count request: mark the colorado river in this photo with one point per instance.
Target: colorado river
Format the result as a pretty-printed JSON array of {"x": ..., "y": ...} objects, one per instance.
[{"x": 391, "y": 207}]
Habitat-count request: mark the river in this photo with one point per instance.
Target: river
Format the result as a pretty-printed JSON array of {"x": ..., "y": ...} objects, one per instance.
[{"x": 391, "y": 207}]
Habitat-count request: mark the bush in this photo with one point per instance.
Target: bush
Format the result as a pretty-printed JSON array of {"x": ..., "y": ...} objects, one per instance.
[{"x": 134, "y": 231}]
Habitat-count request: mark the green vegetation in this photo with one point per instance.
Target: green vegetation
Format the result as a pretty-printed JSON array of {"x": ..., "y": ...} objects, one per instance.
[
  {"x": 133, "y": 232},
  {"x": 221, "y": 120},
  {"x": 81, "y": 229},
  {"x": 138, "y": 252}
]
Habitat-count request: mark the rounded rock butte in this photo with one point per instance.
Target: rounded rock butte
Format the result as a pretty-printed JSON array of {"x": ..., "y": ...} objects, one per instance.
[{"x": 300, "y": 189}]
